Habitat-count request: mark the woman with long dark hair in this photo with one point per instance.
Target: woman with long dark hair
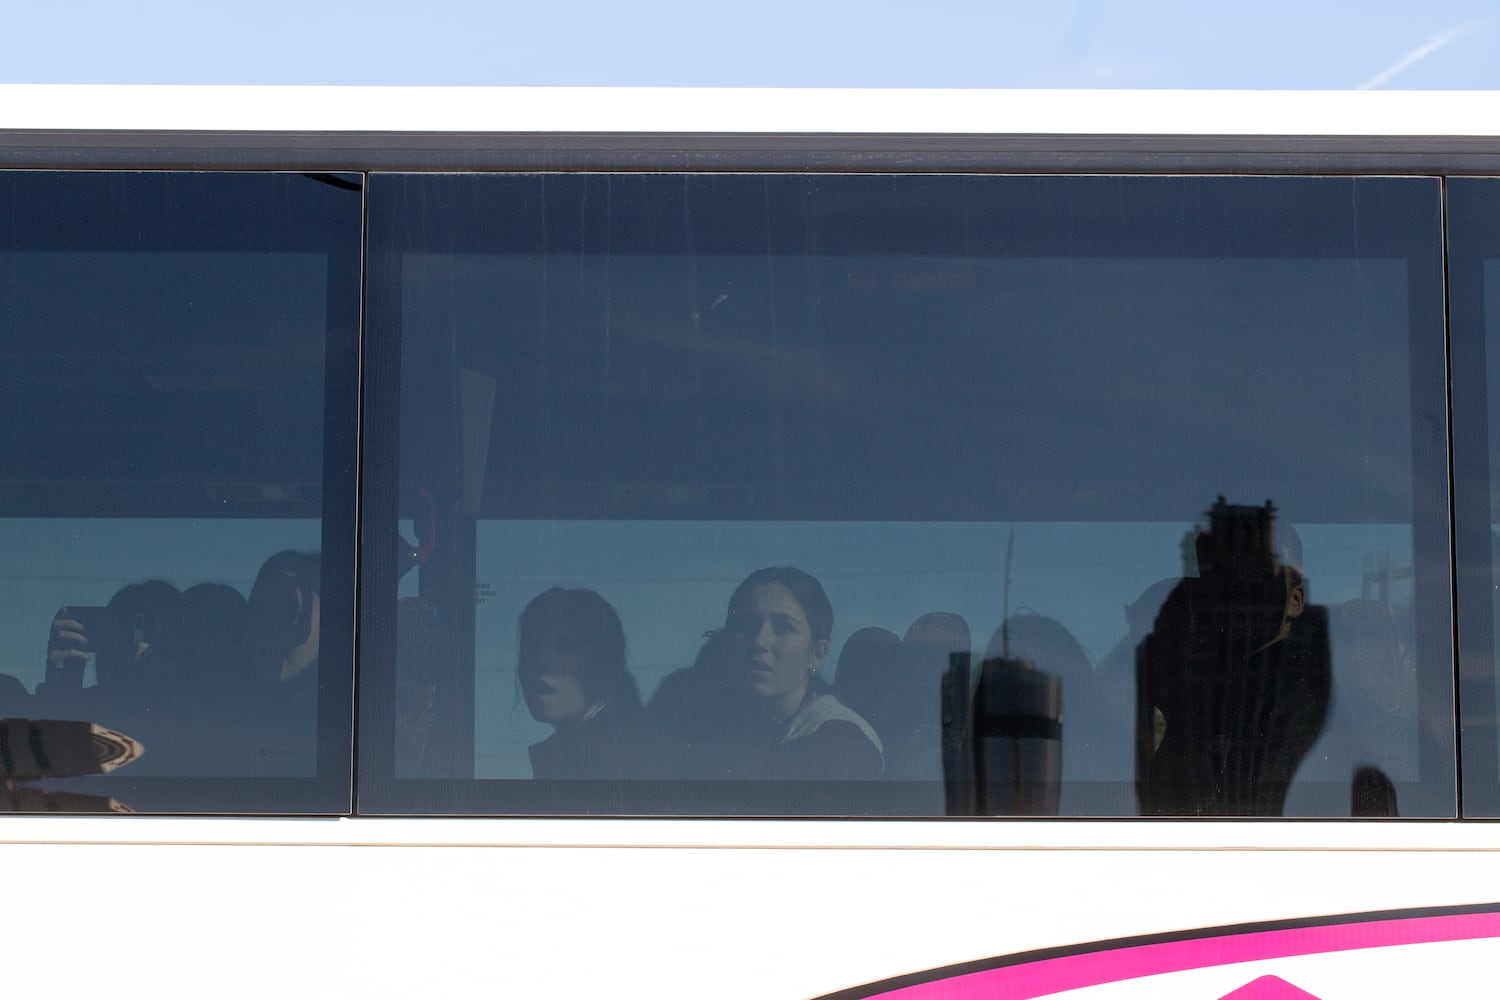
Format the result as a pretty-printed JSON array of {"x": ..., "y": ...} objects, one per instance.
[{"x": 573, "y": 676}]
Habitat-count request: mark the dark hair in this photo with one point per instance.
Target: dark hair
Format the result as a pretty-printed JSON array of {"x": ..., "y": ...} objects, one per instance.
[
  {"x": 586, "y": 615},
  {"x": 281, "y": 600},
  {"x": 215, "y": 628},
  {"x": 934, "y": 638},
  {"x": 874, "y": 675},
  {"x": 151, "y": 612},
  {"x": 303, "y": 567},
  {"x": 805, "y": 590},
  {"x": 280, "y": 608}
]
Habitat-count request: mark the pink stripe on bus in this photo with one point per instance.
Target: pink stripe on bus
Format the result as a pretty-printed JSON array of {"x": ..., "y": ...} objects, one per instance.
[{"x": 1053, "y": 975}]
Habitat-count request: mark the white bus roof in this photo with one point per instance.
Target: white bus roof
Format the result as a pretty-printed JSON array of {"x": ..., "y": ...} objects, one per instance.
[{"x": 784, "y": 111}]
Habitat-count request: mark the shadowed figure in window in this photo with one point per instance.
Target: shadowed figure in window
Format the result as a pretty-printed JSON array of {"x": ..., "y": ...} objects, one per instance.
[
  {"x": 1233, "y": 683},
  {"x": 285, "y": 620},
  {"x": 285, "y": 636},
  {"x": 133, "y": 637},
  {"x": 697, "y": 708},
  {"x": 874, "y": 677},
  {"x": 571, "y": 667},
  {"x": 215, "y": 635},
  {"x": 203, "y": 692}
]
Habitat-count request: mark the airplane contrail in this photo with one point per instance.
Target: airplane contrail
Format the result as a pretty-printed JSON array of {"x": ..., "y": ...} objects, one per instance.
[{"x": 1417, "y": 54}]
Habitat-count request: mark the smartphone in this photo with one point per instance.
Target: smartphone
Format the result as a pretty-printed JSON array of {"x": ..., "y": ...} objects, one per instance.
[
  {"x": 116, "y": 625},
  {"x": 93, "y": 619}
]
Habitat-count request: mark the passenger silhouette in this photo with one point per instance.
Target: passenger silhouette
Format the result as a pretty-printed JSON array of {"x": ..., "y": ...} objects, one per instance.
[
  {"x": 873, "y": 677},
  {"x": 876, "y": 678},
  {"x": 1233, "y": 683},
  {"x": 699, "y": 709},
  {"x": 777, "y": 629},
  {"x": 129, "y": 639},
  {"x": 197, "y": 691},
  {"x": 285, "y": 632},
  {"x": 285, "y": 619},
  {"x": 211, "y": 682},
  {"x": 147, "y": 620},
  {"x": 571, "y": 667},
  {"x": 934, "y": 638},
  {"x": 210, "y": 659}
]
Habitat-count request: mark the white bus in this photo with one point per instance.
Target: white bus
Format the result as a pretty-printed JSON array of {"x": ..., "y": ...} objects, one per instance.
[{"x": 749, "y": 543}]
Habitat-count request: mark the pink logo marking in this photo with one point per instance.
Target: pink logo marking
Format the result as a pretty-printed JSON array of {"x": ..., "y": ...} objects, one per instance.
[{"x": 1268, "y": 988}]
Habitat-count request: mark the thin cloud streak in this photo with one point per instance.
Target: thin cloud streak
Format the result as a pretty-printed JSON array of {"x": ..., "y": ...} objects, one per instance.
[{"x": 1417, "y": 54}]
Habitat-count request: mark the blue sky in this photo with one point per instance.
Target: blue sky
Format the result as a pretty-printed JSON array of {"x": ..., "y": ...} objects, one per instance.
[{"x": 1314, "y": 44}]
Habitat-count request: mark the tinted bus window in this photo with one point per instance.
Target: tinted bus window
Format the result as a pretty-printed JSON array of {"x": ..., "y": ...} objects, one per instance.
[
  {"x": 179, "y": 364},
  {"x": 1474, "y": 298},
  {"x": 906, "y": 496}
]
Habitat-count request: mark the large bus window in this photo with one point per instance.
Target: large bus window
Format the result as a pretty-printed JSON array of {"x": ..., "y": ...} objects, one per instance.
[
  {"x": 861, "y": 495},
  {"x": 178, "y": 492},
  {"x": 1474, "y": 318}
]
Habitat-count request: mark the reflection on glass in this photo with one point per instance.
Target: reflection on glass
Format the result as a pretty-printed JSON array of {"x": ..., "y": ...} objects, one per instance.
[
  {"x": 1490, "y": 310},
  {"x": 1088, "y": 640},
  {"x": 1232, "y": 684},
  {"x": 649, "y": 389},
  {"x": 164, "y": 374},
  {"x": 37, "y": 749},
  {"x": 213, "y": 678}
]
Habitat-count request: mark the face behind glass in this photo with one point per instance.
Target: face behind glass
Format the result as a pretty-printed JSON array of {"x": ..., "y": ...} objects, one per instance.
[
  {"x": 775, "y": 649},
  {"x": 553, "y": 661}
]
